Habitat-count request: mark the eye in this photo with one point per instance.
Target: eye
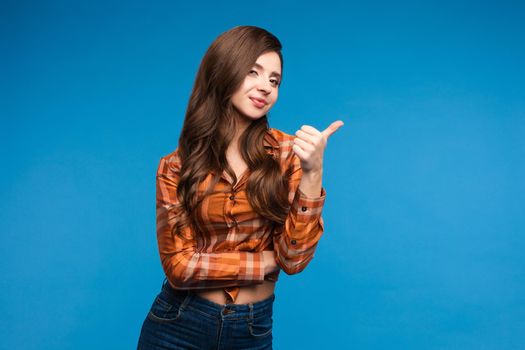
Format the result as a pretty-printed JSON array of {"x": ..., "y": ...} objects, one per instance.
[
  {"x": 252, "y": 71},
  {"x": 275, "y": 82}
]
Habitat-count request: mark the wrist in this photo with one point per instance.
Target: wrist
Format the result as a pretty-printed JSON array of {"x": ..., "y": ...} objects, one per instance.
[
  {"x": 311, "y": 183},
  {"x": 313, "y": 174}
]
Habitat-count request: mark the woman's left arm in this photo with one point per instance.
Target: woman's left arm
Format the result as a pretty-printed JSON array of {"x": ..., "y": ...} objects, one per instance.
[{"x": 296, "y": 243}]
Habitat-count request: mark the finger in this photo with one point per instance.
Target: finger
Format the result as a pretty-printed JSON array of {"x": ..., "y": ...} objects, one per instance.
[
  {"x": 299, "y": 151},
  {"x": 332, "y": 128},
  {"x": 310, "y": 130},
  {"x": 304, "y": 144},
  {"x": 305, "y": 137}
]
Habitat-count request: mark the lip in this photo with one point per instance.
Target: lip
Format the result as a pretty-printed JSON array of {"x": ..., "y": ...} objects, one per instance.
[{"x": 260, "y": 100}]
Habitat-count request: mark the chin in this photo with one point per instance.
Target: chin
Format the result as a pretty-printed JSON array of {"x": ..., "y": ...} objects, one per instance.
[{"x": 254, "y": 115}]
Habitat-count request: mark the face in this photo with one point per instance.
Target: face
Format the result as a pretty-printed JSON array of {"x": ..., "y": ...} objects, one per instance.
[{"x": 259, "y": 91}]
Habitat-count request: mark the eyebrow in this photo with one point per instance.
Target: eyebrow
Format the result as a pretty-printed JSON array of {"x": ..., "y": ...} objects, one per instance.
[{"x": 273, "y": 73}]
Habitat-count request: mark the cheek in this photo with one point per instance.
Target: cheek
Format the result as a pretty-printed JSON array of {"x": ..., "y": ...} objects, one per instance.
[
  {"x": 247, "y": 85},
  {"x": 241, "y": 91},
  {"x": 275, "y": 96},
  {"x": 237, "y": 97}
]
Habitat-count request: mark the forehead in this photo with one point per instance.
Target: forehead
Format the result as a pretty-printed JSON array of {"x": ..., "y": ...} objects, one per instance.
[{"x": 270, "y": 62}]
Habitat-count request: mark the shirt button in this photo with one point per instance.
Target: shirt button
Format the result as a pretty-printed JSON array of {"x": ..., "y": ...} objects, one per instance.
[
  {"x": 294, "y": 241},
  {"x": 304, "y": 208},
  {"x": 232, "y": 197}
]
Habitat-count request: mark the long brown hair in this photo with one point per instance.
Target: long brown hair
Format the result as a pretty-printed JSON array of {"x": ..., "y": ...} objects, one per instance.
[{"x": 210, "y": 124}]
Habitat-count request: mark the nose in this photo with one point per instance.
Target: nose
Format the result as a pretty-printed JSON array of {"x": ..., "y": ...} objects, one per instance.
[{"x": 264, "y": 85}]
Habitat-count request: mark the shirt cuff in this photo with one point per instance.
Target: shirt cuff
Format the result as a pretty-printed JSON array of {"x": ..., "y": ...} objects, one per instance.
[
  {"x": 251, "y": 266},
  {"x": 307, "y": 207}
]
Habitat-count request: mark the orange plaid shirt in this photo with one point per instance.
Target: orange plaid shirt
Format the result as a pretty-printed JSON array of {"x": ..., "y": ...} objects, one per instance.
[{"x": 230, "y": 255}]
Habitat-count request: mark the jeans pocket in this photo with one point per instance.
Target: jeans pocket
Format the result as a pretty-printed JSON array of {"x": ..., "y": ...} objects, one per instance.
[
  {"x": 260, "y": 326},
  {"x": 162, "y": 311}
]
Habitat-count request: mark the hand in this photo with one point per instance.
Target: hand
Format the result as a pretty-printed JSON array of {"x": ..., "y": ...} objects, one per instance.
[
  {"x": 270, "y": 264},
  {"x": 310, "y": 143}
]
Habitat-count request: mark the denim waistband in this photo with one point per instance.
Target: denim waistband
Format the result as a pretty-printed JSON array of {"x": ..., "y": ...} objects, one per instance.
[{"x": 213, "y": 309}]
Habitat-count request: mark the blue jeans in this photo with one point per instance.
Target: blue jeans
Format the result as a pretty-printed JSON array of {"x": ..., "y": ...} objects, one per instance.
[{"x": 184, "y": 320}]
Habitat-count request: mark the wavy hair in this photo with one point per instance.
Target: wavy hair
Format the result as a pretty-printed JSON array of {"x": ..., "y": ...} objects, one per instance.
[{"x": 210, "y": 124}]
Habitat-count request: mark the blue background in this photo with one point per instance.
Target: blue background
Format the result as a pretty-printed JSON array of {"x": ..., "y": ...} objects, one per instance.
[{"x": 424, "y": 239}]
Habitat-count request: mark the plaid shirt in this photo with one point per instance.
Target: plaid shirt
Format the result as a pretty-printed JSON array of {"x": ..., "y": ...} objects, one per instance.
[{"x": 230, "y": 254}]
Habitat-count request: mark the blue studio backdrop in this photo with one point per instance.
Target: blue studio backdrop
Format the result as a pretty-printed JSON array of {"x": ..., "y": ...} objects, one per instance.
[{"x": 424, "y": 215}]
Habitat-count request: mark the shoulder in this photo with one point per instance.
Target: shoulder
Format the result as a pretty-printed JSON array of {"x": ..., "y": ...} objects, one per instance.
[
  {"x": 285, "y": 141},
  {"x": 280, "y": 135},
  {"x": 170, "y": 162}
]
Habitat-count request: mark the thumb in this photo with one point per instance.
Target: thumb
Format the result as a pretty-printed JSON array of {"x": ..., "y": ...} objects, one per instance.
[{"x": 332, "y": 128}]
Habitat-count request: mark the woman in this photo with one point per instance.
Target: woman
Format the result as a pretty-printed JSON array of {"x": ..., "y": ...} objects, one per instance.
[{"x": 237, "y": 202}]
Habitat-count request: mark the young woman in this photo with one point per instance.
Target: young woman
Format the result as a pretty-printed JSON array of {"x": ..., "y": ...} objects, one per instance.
[{"x": 237, "y": 201}]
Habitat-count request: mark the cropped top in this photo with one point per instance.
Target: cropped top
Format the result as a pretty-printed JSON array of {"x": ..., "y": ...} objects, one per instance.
[{"x": 229, "y": 254}]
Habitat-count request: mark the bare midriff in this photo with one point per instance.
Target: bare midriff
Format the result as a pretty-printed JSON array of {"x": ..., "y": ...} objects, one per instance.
[{"x": 247, "y": 294}]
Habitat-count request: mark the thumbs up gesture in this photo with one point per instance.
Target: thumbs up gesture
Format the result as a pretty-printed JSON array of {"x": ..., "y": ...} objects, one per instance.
[{"x": 310, "y": 143}]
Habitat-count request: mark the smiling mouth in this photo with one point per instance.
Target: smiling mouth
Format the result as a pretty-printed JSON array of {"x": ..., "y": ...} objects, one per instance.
[{"x": 258, "y": 103}]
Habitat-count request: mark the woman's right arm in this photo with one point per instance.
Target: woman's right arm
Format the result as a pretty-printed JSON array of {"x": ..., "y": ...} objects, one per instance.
[{"x": 184, "y": 266}]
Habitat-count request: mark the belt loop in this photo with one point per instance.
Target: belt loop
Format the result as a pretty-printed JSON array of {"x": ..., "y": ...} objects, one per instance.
[{"x": 250, "y": 305}]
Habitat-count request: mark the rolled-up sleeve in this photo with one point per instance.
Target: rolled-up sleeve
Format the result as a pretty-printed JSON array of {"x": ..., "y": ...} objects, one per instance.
[{"x": 296, "y": 240}]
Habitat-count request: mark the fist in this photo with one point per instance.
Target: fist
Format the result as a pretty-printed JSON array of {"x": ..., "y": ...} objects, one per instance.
[{"x": 310, "y": 143}]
